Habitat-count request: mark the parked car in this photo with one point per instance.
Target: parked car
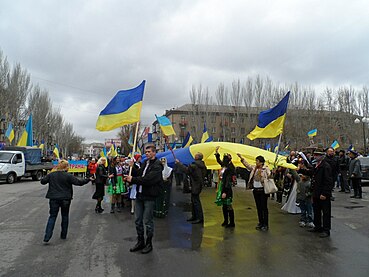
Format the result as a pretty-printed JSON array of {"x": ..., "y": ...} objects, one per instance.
[{"x": 364, "y": 161}]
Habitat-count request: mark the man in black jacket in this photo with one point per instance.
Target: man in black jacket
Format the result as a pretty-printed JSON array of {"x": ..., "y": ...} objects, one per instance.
[
  {"x": 60, "y": 193},
  {"x": 197, "y": 172},
  {"x": 149, "y": 182},
  {"x": 321, "y": 183},
  {"x": 343, "y": 162}
]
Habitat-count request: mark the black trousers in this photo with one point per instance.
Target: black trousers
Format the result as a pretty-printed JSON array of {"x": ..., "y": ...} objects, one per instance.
[
  {"x": 322, "y": 209},
  {"x": 356, "y": 185},
  {"x": 196, "y": 207},
  {"x": 261, "y": 201}
]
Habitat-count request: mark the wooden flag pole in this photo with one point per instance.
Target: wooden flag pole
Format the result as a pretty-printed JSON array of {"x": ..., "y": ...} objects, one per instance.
[
  {"x": 279, "y": 143},
  {"x": 134, "y": 147},
  {"x": 170, "y": 147}
]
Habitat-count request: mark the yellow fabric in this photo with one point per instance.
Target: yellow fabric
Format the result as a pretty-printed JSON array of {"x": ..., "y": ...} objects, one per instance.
[
  {"x": 272, "y": 130},
  {"x": 167, "y": 130},
  {"x": 11, "y": 136},
  {"x": 248, "y": 152},
  {"x": 56, "y": 152},
  {"x": 204, "y": 137},
  {"x": 113, "y": 121},
  {"x": 23, "y": 140}
]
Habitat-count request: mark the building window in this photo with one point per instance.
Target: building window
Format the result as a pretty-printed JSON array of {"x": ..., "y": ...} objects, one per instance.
[
  {"x": 183, "y": 118},
  {"x": 233, "y": 119},
  {"x": 242, "y": 131},
  {"x": 213, "y": 130},
  {"x": 233, "y": 130},
  {"x": 213, "y": 119}
]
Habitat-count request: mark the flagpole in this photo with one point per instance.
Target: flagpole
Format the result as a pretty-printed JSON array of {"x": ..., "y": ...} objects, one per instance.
[
  {"x": 134, "y": 146},
  {"x": 170, "y": 147}
]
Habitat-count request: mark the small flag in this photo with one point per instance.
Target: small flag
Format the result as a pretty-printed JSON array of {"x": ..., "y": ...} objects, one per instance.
[
  {"x": 42, "y": 145},
  {"x": 165, "y": 125},
  {"x": 312, "y": 133},
  {"x": 112, "y": 152},
  {"x": 276, "y": 148},
  {"x": 10, "y": 132},
  {"x": 287, "y": 145},
  {"x": 268, "y": 147},
  {"x": 335, "y": 145},
  {"x": 123, "y": 109},
  {"x": 56, "y": 151},
  {"x": 351, "y": 148},
  {"x": 27, "y": 135},
  {"x": 130, "y": 140},
  {"x": 187, "y": 141},
  {"x": 271, "y": 122},
  {"x": 205, "y": 136}
]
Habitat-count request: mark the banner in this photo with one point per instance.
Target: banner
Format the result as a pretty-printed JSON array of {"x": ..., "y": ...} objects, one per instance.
[{"x": 74, "y": 166}]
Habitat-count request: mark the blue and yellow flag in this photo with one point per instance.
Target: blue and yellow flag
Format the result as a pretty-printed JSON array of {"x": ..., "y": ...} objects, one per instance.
[
  {"x": 312, "y": 133},
  {"x": 130, "y": 140},
  {"x": 165, "y": 125},
  {"x": 27, "y": 135},
  {"x": 335, "y": 145},
  {"x": 187, "y": 141},
  {"x": 10, "y": 132},
  {"x": 270, "y": 122},
  {"x": 123, "y": 109},
  {"x": 205, "y": 135},
  {"x": 112, "y": 152},
  {"x": 56, "y": 151}
]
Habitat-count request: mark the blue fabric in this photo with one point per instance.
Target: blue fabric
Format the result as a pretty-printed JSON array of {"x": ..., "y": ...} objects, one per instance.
[
  {"x": 124, "y": 99},
  {"x": 268, "y": 116},
  {"x": 163, "y": 121}
]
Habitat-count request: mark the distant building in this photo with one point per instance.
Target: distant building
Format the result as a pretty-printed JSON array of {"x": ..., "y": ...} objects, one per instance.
[
  {"x": 232, "y": 124},
  {"x": 92, "y": 149}
]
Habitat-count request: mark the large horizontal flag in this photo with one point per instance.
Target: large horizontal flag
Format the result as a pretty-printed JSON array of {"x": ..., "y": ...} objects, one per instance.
[
  {"x": 335, "y": 145},
  {"x": 312, "y": 133},
  {"x": 165, "y": 125},
  {"x": 10, "y": 132},
  {"x": 271, "y": 122},
  {"x": 187, "y": 141},
  {"x": 27, "y": 135},
  {"x": 123, "y": 109}
]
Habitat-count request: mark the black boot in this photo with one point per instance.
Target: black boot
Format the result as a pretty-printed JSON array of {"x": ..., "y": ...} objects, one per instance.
[
  {"x": 225, "y": 215},
  {"x": 118, "y": 207},
  {"x": 112, "y": 208},
  {"x": 148, "y": 247},
  {"x": 231, "y": 219},
  {"x": 139, "y": 245}
]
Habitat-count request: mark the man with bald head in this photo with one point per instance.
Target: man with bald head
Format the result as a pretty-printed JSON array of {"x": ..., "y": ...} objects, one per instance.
[{"x": 197, "y": 172}]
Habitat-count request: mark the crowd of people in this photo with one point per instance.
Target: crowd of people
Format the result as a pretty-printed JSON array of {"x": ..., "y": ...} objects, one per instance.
[{"x": 146, "y": 185}]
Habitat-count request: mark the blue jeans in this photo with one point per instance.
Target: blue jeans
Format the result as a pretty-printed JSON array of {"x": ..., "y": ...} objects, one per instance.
[
  {"x": 306, "y": 211},
  {"x": 144, "y": 212},
  {"x": 54, "y": 210}
]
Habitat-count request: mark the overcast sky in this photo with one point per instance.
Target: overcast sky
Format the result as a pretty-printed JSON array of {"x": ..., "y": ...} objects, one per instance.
[{"x": 83, "y": 52}]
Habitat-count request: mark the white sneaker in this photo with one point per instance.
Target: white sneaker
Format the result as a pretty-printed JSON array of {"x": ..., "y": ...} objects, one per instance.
[
  {"x": 302, "y": 224},
  {"x": 310, "y": 225}
]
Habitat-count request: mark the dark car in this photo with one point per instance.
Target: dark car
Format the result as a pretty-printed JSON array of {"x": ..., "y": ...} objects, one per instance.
[{"x": 364, "y": 161}]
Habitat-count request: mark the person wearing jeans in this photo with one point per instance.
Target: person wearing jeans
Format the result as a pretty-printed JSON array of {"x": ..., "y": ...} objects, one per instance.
[
  {"x": 149, "y": 181},
  {"x": 60, "y": 194}
]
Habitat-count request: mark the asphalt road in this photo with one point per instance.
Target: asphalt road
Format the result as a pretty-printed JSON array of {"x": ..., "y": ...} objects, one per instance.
[{"x": 98, "y": 244}]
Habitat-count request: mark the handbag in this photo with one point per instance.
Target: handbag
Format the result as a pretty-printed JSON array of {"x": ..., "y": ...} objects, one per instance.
[{"x": 269, "y": 186}]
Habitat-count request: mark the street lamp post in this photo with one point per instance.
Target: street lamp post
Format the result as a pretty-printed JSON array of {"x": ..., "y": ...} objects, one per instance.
[{"x": 364, "y": 120}]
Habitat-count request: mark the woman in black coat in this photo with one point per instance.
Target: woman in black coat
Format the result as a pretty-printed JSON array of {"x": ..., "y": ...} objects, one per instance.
[
  {"x": 225, "y": 193},
  {"x": 100, "y": 181},
  {"x": 60, "y": 194}
]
